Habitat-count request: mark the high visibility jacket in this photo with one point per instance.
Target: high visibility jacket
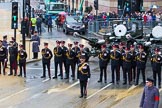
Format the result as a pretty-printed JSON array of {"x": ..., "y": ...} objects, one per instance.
[{"x": 33, "y": 20}]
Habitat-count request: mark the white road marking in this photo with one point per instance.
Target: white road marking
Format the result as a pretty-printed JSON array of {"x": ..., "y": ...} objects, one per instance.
[
  {"x": 99, "y": 91},
  {"x": 3, "y": 99},
  {"x": 37, "y": 69},
  {"x": 45, "y": 80},
  {"x": 61, "y": 90}
]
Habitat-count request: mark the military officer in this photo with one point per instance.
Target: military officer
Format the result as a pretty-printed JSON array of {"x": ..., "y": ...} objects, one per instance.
[
  {"x": 58, "y": 53},
  {"x": 82, "y": 52},
  {"x": 46, "y": 59},
  {"x": 133, "y": 65},
  {"x": 141, "y": 58},
  {"x": 121, "y": 49},
  {"x": 22, "y": 55},
  {"x": 3, "y": 57},
  {"x": 35, "y": 45},
  {"x": 156, "y": 60},
  {"x": 64, "y": 49},
  {"x": 115, "y": 57},
  {"x": 150, "y": 97},
  {"x": 15, "y": 44},
  {"x": 70, "y": 55},
  {"x": 104, "y": 57},
  {"x": 76, "y": 49},
  {"x": 13, "y": 58},
  {"x": 127, "y": 58},
  {"x": 5, "y": 44},
  {"x": 83, "y": 74}
]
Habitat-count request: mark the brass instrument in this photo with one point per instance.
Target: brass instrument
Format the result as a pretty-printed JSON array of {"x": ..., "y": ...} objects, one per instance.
[
  {"x": 68, "y": 55},
  {"x": 43, "y": 54},
  {"x": 81, "y": 69},
  {"x": 19, "y": 57},
  {"x": 155, "y": 60},
  {"x": 139, "y": 59},
  {"x": 101, "y": 56},
  {"x": 125, "y": 59},
  {"x": 56, "y": 53},
  {"x": 113, "y": 57}
]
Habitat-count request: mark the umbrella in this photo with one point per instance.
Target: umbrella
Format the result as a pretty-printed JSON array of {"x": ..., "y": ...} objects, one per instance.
[{"x": 62, "y": 13}]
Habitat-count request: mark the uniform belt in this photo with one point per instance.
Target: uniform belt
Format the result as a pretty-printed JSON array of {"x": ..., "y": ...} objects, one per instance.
[{"x": 35, "y": 41}]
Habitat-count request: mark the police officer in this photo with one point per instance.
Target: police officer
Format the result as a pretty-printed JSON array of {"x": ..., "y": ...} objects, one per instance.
[
  {"x": 58, "y": 53},
  {"x": 22, "y": 55},
  {"x": 156, "y": 60},
  {"x": 82, "y": 52},
  {"x": 115, "y": 57},
  {"x": 133, "y": 65},
  {"x": 150, "y": 97},
  {"x": 5, "y": 44},
  {"x": 3, "y": 57},
  {"x": 121, "y": 49},
  {"x": 104, "y": 57},
  {"x": 13, "y": 58},
  {"x": 141, "y": 58},
  {"x": 64, "y": 49},
  {"x": 76, "y": 49},
  {"x": 46, "y": 59},
  {"x": 35, "y": 45},
  {"x": 83, "y": 75},
  {"x": 70, "y": 55},
  {"x": 127, "y": 58}
]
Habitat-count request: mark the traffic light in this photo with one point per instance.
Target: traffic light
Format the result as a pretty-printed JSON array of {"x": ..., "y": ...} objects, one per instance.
[
  {"x": 96, "y": 4},
  {"x": 14, "y": 23}
]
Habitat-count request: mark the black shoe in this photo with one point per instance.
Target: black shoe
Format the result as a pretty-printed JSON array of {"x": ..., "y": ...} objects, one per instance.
[
  {"x": 136, "y": 84},
  {"x": 59, "y": 75},
  {"x": 112, "y": 82},
  {"x": 124, "y": 83},
  {"x": 10, "y": 74},
  {"x": 19, "y": 75},
  {"x": 49, "y": 77},
  {"x": 159, "y": 86},
  {"x": 117, "y": 82},
  {"x": 73, "y": 78},
  {"x": 81, "y": 97},
  {"x": 66, "y": 78},
  {"x": 14, "y": 74},
  {"x": 105, "y": 81},
  {"x": 99, "y": 81},
  {"x": 54, "y": 77},
  {"x": 42, "y": 76},
  {"x": 85, "y": 96},
  {"x": 24, "y": 76}
]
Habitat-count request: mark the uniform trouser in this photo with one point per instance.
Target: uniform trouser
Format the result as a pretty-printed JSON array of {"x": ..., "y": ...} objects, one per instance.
[
  {"x": 159, "y": 77},
  {"x": 3, "y": 65},
  {"x": 64, "y": 62},
  {"x": 49, "y": 28},
  {"x": 13, "y": 65},
  {"x": 60, "y": 66},
  {"x": 133, "y": 73},
  {"x": 103, "y": 70},
  {"x": 83, "y": 88},
  {"x": 72, "y": 69},
  {"x": 35, "y": 54},
  {"x": 39, "y": 29},
  {"x": 113, "y": 69},
  {"x": 33, "y": 29},
  {"x": 138, "y": 74},
  {"x": 76, "y": 61},
  {"x": 127, "y": 72},
  {"x": 22, "y": 65},
  {"x": 121, "y": 68},
  {"x": 44, "y": 69}
]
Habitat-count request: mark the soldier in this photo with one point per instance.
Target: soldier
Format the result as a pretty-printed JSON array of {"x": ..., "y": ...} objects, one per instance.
[
  {"x": 133, "y": 65},
  {"x": 5, "y": 44},
  {"x": 46, "y": 59},
  {"x": 64, "y": 49},
  {"x": 76, "y": 49},
  {"x": 70, "y": 55},
  {"x": 115, "y": 63},
  {"x": 15, "y": 44},
  {"x": 35, "y": 45},
  {"x": 22, "y": 55},
  {"x": 83, "y": 75},
  {"x": 156, "y": 60},
  {"x": 150, "y": 97},
  {"x": 127, "y": 58},
  {"x": 3, "y": 57},
  {"x": 13, "y": 58},
  {"x": 104, "y": 57},
  {"x": 82, "y": 52},
  {"x": 58, "y": 54},
  {"x": 141, "y": 58}
]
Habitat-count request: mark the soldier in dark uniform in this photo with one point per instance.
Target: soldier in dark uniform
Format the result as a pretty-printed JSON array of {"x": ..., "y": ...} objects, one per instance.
[
  {"x": 3, "y": 57},
  {"x": 115, "y": 57},
  {"x": 5, "y": 44},
  {"x": 83, "y": 75},
  {"x": 35, "y": 45},
  {"x": 141, "y": 58},
  {"x": 121, "y": 49},
  {"x": 76, "y": 49},
  {"x": 156, "y": 60},
  {"x": 150, "y": 97},
  {"x": 70, "y": 55},
  {"x": 64, "y": 49},
  {"x": 82, "y": 52},
  {"x": 46, "y": 60},
  {"x": 15, "y": 44},
  {"x": 104, "y": 57},
  {"x": 133, "y": 65},
  {"x": 58, "y": 54},
  {"x": 22, "y": 55},
  {"x": 13, "y": 58},
  {"x": 127, "y": 58}
]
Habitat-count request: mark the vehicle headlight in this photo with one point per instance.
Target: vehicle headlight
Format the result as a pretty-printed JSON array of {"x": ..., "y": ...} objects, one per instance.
[
  {"x": 68, "y": 26},
  {"x": 83, "y": 26}
]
